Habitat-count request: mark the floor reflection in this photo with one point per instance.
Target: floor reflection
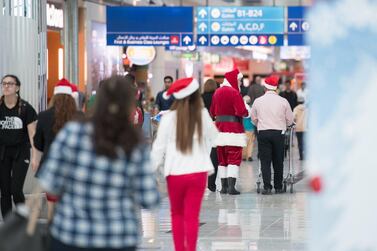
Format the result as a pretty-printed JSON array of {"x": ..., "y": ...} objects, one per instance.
[{"x": 245, "y": 222}]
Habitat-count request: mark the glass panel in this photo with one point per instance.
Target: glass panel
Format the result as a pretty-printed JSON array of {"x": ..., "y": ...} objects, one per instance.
[
  {"x": 28, "y": 8},
  {"x": 2, "y": 6},
  {"x": 20, "y": 8},
  {"x": 17, "y": 8}
]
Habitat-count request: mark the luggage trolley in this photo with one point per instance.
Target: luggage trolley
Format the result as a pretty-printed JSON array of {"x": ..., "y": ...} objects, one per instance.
[
  {"x": 288, "y": 153},
  {"x": 290, "y": 178}
]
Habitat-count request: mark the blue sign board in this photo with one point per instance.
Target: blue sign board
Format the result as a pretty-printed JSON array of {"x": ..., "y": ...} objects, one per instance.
[
  {"x": 296, "y": 12},
  {"x": 149, "y": 26},
  {"x": 296, "y": 39},
  {"x": 297, "y": 25},
  {"x": 232, "y": 26}
]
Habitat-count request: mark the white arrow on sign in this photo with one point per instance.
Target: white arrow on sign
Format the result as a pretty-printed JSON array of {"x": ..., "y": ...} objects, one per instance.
[
  {"x": 186, "y": 39},
  {"x": 202, "y": 26},
  {"x": 293, "y": 26},
  {"x": 202, "y": 13},
  {"x": 203, "y": 40}
]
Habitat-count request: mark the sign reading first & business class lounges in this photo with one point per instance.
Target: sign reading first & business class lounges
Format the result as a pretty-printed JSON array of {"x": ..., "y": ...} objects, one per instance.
[{"x": 157, "y": 26}]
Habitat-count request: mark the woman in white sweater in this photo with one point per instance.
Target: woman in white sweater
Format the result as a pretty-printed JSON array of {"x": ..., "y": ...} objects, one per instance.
[{"x": 183, "y": 144}]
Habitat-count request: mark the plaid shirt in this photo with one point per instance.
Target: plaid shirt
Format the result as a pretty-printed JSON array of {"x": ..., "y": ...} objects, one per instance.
[{"x": 99, "y": 196}]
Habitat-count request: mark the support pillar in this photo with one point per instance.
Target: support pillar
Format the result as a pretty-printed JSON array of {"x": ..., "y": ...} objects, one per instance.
[{"x": 71, "y": 40}]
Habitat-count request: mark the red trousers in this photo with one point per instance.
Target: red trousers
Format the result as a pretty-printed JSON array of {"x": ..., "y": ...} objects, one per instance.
[
  {"x": 186, "y": 195},
  {"x": 229, "y": 155}
]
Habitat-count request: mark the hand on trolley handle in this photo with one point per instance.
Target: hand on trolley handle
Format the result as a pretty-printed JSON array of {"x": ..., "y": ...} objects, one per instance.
[{"x": 293, "y": 125}]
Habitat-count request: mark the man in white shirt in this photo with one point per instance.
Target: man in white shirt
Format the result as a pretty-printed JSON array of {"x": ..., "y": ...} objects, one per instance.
[{"x": 271, "y": 114}]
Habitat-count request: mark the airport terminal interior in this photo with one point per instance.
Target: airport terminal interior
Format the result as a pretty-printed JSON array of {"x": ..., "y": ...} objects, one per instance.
[{"x": 314, "y": 135}]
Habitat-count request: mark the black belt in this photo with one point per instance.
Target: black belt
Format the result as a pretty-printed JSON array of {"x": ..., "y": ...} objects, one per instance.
[{"x": 228, "y": 118}]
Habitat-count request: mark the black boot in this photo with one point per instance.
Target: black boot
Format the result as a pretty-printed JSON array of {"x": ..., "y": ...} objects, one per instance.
[
  {"x": 224, "y": 185},
  {"x": 211, "y": 183},
  {"x": 232, "y": 186}
]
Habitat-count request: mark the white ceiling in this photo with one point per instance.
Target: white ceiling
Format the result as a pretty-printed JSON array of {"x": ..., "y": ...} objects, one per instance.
[{"x": 208, "y": 2}]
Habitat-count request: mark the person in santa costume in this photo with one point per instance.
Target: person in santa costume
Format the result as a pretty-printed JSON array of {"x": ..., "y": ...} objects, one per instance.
[
  {"x": 183, "y": 144},
  {"x": 229, "y": 108}
]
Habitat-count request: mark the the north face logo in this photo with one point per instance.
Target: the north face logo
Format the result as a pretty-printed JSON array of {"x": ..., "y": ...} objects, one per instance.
[{"x": 11, "y": 123}]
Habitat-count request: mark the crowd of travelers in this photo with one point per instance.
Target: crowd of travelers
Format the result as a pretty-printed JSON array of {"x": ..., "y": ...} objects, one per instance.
[{"x": 96, "y": 166}]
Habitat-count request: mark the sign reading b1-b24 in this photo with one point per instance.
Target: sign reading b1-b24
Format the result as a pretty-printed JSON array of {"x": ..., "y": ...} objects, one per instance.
[{"x": 223, "y": 26}]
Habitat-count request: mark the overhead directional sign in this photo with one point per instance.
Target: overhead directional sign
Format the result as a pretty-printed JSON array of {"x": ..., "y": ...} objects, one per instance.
[
  {"x": 232, "y": 26},
  {"x": 159, "y": 26},
  {"x": 297, "y": 25}
]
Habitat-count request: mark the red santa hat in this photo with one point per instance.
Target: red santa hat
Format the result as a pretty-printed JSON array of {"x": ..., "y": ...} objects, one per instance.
[
  {"x": 182, "y": 88},
  {"x": 63, "y": 87},
  {"x": 232, "y": 78},
  {"x": 75, "y": 93},
  {"x": 271, "y": 82},
  {"x": 74, "y": 88}
]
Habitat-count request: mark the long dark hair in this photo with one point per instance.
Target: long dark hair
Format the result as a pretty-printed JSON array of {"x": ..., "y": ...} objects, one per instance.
[
  {"x": 112, "y": 117},
  {"x": 189, "y": 119},
  {"x": 18, "y": 83},
  {"x": 64, "y": 110}
]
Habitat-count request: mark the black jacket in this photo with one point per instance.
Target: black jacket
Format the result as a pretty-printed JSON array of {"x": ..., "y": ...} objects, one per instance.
[
  {"x": 207, "y": 99},
  {"x": 291, "y": 97}
]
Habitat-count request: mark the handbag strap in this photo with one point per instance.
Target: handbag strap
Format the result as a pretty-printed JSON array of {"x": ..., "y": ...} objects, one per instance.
[{"x": 34, "y": 206}]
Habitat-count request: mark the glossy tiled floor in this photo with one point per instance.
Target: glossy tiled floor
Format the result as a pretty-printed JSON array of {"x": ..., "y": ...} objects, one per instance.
[
  {"x": 245, "y": 222},
  {"x": 249, "y": 221}
]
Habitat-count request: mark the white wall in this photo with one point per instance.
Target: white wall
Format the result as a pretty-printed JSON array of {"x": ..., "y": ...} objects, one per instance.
[
  {"x": 19, "y": 54},
  {"x": 22, "y": 51}
]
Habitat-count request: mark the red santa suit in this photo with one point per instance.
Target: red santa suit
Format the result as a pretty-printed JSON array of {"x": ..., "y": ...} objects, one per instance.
[{"x": 229, "y": 108}]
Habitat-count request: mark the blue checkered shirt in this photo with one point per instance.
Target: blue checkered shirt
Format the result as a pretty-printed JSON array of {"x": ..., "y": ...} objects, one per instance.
[{"x": 100, "y": 197}]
